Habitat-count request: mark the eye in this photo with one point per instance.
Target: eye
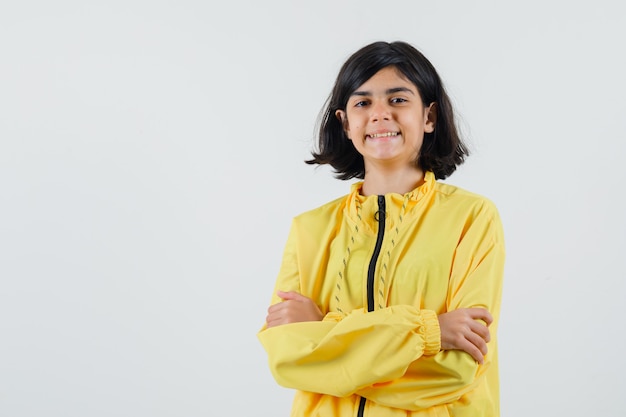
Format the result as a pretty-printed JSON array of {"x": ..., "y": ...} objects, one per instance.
[
  {"x": 361, "y": 103},
  {"x": 398, "y": 100}
]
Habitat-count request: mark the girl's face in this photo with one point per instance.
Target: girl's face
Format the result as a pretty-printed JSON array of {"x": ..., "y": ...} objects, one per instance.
[{"x": 386, "y": 120}]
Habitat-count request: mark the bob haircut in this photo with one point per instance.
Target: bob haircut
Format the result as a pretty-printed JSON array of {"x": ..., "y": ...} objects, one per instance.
[{"x": 442, "y": 150}]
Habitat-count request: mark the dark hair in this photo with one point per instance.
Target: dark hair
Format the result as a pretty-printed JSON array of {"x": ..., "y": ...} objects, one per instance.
[{"x": 442, "y": 150}]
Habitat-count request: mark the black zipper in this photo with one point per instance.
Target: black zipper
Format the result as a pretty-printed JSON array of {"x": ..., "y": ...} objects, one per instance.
[
  {"x": 361, "y": 407},
  {"x": 380, "y": 217}
]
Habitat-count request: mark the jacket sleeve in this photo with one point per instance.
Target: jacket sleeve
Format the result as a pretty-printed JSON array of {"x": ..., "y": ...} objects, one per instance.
[
  {"x": 475, "y": 281},
  {"x": 338, "y": 356}
]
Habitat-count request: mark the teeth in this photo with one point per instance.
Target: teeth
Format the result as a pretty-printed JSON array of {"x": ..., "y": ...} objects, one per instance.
[{"x": 383, "y": 135}]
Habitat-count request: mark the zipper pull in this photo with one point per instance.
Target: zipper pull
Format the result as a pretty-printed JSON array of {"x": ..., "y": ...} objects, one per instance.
[{"x": 381, "y": 213}]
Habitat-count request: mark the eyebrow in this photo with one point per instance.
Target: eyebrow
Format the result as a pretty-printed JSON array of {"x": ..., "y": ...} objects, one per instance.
[{"x": 388, "y": 91}]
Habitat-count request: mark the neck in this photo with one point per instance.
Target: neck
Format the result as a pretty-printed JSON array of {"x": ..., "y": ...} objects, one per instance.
[{"x": 377, "y": 182}]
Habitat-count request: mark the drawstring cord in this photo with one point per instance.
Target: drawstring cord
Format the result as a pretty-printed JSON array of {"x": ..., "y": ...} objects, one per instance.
[{"x": 346, "y": 256}]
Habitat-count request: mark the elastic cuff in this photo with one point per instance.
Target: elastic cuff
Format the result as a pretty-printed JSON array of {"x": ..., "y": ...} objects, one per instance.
[
  {"x": 432, "y": 333},
  {"x": 333, "y": 316}
]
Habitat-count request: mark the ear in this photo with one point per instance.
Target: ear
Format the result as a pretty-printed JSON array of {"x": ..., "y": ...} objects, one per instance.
[
  {"x": 343, "y": 118},
  {"x": 430, "y": 118}
]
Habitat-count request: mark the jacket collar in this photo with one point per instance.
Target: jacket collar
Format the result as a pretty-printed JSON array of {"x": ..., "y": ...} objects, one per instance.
[
  {"x": 359, "y": 206},
  {"x": 415, "y": 194}
]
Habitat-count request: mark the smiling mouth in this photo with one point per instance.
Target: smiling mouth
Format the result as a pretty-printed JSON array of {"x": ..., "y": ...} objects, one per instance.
[{"x": 381, "y": 135}]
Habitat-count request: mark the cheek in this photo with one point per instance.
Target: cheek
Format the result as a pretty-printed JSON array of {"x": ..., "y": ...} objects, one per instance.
[
  {"x": 350, "y": 131},
  {"x": 356, "y": 127}
]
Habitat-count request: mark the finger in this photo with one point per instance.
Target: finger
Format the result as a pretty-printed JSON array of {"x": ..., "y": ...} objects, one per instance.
[
  {"x": 274, "y": 323},
  {"x": 276, "y": 307},
  {"x": 480, "y": 314},
  {"x": 481, "y": 330},
  {"x": 486, "y": 316},
  {"x": 270, "y": 321},
  {"x": 276, "y": 319},
  {"x": 473, "y": 351},
  {"x": 285, "y": 308},
  {"x": 488, "y": 319},
  {"x": 291, "y": 295},
  {"x": 272, "y": 316},
  {"x": 478, "y": 343}
]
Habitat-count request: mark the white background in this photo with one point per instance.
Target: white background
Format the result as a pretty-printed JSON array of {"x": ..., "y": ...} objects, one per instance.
[{"x": 151, "y": 161}]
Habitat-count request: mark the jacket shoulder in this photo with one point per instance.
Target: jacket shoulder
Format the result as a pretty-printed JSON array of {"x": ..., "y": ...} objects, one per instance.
[
  {"x": 464, "y": 199},
  {"x": 324, "y": 212}
]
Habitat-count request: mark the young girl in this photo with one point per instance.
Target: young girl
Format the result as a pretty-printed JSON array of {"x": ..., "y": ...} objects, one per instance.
[{"x": 387, "y": 299}]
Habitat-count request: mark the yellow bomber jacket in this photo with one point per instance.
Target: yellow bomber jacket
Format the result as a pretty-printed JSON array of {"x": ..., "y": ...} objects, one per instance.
[{"x": 381, "y": 286}]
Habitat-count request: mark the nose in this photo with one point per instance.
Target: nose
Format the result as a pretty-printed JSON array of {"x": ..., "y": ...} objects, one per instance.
[{"x": 380, "y": 111}]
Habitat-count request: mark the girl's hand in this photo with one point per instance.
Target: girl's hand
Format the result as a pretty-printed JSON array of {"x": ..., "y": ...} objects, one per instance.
[
  {"x": 294, "y": 308},
  {"x": 460, "y": 330}
]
